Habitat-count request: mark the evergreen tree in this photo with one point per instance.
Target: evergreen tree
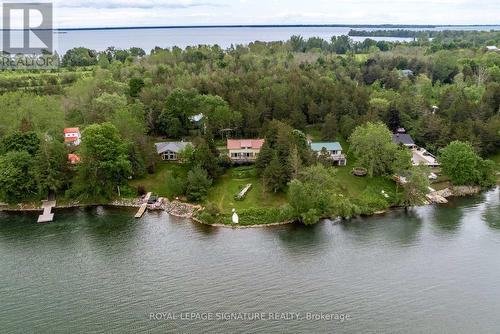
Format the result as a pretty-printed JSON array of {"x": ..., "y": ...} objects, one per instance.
[
  {"x": 198, "y": 183},
  {"x": 274, "y": 176}
]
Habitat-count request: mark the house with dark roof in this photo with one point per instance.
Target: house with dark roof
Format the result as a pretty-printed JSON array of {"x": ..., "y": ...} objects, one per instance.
[
  {"x": 244, "y": 150},
  {"x": 419, "y": 155},
  {"x": 404, "y": 139},
  {"x": 333, "y": 149},
  {"x": 407, "y": 73},
  {"x": 169, "y": 151}
]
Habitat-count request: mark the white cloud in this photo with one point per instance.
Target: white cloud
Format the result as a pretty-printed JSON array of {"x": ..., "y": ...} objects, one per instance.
[{"x": 86, "y": 13}]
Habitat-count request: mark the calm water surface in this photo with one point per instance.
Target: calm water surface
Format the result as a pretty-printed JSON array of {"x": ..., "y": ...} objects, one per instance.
[
  {"x": 433, "y": 270},
  {"x": 148, "y": 39}
]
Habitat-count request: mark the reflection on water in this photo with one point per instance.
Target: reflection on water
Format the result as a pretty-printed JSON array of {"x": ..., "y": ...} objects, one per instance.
[
  {"x": 491, "y": 214},
  {"x": 297, "y": 236},
  {"x": 364, "y": 229},
  {"x": 432, "y": 269},
  {"x": 447, "y": 218}
]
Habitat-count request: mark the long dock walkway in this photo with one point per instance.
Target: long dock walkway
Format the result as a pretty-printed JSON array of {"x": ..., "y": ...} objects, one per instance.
[
  {"x": 47, "y": 216},
  {"x": 144, "y": 206},
  {"x": 141, "y": 211}
]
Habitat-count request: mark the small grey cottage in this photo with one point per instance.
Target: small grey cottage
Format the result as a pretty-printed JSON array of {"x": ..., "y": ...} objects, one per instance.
[{"x": 169, "y": 151}]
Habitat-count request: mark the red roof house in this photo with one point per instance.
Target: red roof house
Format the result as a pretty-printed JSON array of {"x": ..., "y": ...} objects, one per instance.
[
  {"x": 244, "y": 150},
  {"x": 73, "y": 159},
  {"x": 72, "y": 136}
]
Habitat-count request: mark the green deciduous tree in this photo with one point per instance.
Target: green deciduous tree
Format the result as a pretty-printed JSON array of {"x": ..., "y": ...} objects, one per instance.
[
  {"x": 416, "y": 187},
  {"x": 311, "y": 195},
  {"x": 179, "y": 106},
  {"x": 105, "y": 165},
  {"x": 51, "y": 167},
  {"x": 20, "y": 141},
  {"x": 135, "y": 86},
  {"x": 373, "y": 147},
  {"x": 464, "y": 166},
  {"x": 17, "y": 177}
]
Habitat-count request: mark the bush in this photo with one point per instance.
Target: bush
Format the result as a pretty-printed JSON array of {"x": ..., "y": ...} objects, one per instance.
[
  {"x": 465, "y": 167},
  {"x": 211, "y": 215},
  {"x": 176, "y": 186},
  {"x": 141, "y": 190}
]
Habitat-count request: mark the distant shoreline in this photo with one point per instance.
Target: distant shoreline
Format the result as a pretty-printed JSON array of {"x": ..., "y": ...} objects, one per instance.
[{"x": 389, "y": 26}]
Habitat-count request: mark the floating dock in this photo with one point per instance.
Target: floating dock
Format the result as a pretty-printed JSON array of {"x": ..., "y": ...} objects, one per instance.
[{"x": 47, "y": 216}]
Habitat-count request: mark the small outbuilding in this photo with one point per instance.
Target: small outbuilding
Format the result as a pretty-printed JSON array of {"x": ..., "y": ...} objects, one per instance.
[
  {"x": 404, "y": 139},
  {"x": 73, "y": 159}
]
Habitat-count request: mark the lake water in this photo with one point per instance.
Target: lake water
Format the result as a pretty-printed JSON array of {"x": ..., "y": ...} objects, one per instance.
[
  {"x": 148, "y": 39},
  {"x": 432, "y": 270}
]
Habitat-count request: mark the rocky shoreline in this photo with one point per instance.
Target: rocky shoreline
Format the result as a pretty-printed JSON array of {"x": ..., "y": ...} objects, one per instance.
[
  {"x": 188, "y": 211},
  {"x": 441, "y": 196}
]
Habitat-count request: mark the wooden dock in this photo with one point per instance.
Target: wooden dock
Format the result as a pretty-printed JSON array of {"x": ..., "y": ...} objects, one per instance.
[
  {"x": 47, "y": 216},
  {"x": 141, "y": 211},
  {"x": 144, "y": 206}
]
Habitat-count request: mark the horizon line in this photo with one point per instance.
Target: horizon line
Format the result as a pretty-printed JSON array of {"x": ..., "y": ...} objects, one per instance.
[{"x": 382, "y": 25}]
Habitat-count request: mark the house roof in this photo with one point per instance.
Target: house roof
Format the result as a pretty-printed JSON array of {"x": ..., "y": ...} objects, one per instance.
[
  {"x": 72, "y": 130},
  {"x": 236, "y": 144},
  {"x": 402, "y": 138},
  {"x": 73, "y": 158},
  {"x": 329, "y": 146},
  {"x": 175, "y": 147}
]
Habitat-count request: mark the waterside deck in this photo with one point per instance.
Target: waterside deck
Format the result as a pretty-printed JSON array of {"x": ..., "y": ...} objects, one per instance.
[{"x": 47, "y": 216}]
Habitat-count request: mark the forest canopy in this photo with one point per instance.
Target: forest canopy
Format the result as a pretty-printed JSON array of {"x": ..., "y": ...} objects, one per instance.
[{"x": 441, "y": 90}]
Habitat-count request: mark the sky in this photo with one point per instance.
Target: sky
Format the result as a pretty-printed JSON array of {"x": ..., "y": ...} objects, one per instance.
[{"x": 113, "y": 13}]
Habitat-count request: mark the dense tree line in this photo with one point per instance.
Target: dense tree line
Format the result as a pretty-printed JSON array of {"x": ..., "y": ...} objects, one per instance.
[
  {"x": 275, "y": 90},
  {"x": 446, "y": 39}
]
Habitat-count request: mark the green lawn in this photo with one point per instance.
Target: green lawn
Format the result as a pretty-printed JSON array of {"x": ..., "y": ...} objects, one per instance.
[
  {"x": 350, "y": 185},
  {"x": 355, "y": 186},
  {"x": 156, "y": 182},
  {"x": 223, "y": 191},
  {"x": 496, "y": 158}
]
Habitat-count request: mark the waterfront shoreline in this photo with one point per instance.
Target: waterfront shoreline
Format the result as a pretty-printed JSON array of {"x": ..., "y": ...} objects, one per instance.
[{"x": 173, "y": 208}]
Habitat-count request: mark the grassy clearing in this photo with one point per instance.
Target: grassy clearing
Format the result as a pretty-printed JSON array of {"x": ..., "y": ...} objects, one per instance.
[
  {"x": 353, "y": 186},
  {"x": 223, "y": 191},
  {"x": 496, "y": 159},
  {"x": 156, "y": 182}
]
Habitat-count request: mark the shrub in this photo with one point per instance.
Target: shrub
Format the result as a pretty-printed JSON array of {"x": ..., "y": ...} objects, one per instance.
[
  {"x": 211, "y": 215},
  {"x": 141, "y": 190}
]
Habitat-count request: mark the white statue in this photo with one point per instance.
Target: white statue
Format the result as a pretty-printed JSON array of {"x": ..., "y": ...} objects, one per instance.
[{"x": 236, "y": 219}]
